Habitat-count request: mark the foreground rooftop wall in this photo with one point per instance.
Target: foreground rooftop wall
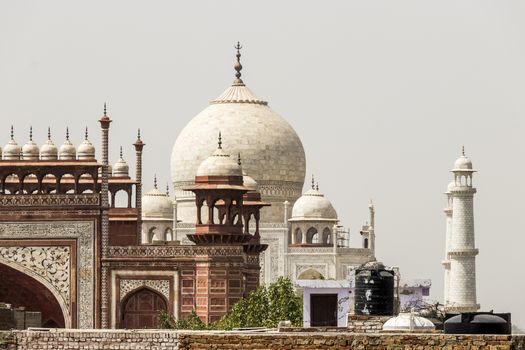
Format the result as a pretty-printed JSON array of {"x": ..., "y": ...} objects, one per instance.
[{"x": 156, "y": 340}]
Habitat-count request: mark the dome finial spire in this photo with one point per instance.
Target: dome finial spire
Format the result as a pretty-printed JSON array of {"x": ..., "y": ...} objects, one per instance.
[
  {"x": 105, "y": 108},
  {"x": 238, "y": 65},
  {"x": 220, "y": 140},
  {"x": 86, "y": 134},
  {"x": 12, "y": 133},
  {"x": 463, "y": 150},
  {"x": 120, "y": 152},
  {"x": 313, "y": 182},
  {"x": 239, "y": 159},
  {"x": 67, "y": 133},
  {"x": 138, "y": 134},
  {"x": 167, "y": 189},
  {"x": 30, "y": 133},
  {"x": 49, "y": 133},
  {"x": 317, "y": 186},
  {"x": 155, "y": 181}
]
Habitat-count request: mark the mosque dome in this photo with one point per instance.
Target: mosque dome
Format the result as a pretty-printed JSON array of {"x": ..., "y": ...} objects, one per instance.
[
  {"x": 451, "y": 186},
  {"x": 67, "y": 150},
  {"x": 48, "y": 151},
  {"x": 463, "y": 162},
  {"x": 30, "y": 150},
  {"x": 272, "y": 152},
  {"x": 156, "y": 204},
  {"x": 86, "y": 150},
  {"x": 121, "y": 168},
  {"x": 313, "y": 205},
  {"x": 408, "y": 322},
  {"x": 12, "y": 149},
  {"x": 219, "y": 164}
]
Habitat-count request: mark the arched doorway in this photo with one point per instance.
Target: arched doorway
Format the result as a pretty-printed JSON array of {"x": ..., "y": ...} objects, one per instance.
[
  {"x": 21, "y": 290},
  {"x": 140, "y": 309}
]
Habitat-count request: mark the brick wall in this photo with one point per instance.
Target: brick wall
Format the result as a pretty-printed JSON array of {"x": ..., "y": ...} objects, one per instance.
[
  {"x": 366, "y": 324},
  {"x": 187, "y": 340}
]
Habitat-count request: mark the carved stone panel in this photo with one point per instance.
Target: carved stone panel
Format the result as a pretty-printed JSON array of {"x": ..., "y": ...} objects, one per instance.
[{"x": 161, "y": 286}]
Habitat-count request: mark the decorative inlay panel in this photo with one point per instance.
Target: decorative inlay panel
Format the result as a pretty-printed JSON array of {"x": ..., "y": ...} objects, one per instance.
[
  {"x": 161, "y": 286},
  {"x": 173, "y": 251},
  {"x": 84, "y": 233},
  {"x": 55, "y": 200},
  {"x": 51, "y": 263}
]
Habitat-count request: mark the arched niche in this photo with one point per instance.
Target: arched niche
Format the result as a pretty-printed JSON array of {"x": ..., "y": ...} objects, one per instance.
[
  {"x": 140, "y": 309},
  {"x": 20, "y": 289},
  {"x": 310, "y": 274}
]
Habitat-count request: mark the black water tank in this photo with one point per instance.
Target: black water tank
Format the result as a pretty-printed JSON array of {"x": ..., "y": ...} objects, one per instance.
[
  {"x": 374, "y": 290},
  {"x": 478, "y": 323}
]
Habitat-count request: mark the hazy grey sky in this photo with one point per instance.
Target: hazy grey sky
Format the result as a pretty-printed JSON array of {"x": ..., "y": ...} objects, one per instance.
[{"x": 382, "y": 93}]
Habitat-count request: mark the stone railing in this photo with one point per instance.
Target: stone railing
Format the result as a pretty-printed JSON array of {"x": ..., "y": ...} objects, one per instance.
[{"x": 49, "y": 200}]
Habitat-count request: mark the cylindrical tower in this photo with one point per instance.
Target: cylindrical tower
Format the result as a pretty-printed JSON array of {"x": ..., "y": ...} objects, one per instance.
[
  {"x": 139, "y": 145},
  {"x": 448, "y": 235},
  {"x": 462, "y": 253}
]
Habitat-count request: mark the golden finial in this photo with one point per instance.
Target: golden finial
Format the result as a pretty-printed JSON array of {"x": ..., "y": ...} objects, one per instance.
[{"x": 238, "y": 65}]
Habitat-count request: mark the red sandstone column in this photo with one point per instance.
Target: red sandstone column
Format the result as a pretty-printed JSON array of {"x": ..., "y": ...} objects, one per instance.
[{"x": 139, "y": 145}]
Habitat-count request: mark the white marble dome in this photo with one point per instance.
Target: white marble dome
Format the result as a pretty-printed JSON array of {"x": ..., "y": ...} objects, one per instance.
[
  {"x": 219, "y": 164},
  {"x": 463, "y": 162},
  {"x": 408, "y": 322},
  {"x": 156, "y": 204},
  {"x": 313, "y": 205},
  {"x": 49, "y": 151},
  {"x": 272, "y": 152},
  {"x": 30, "y": 150},
  {"x": 451, "y": 186},
  {"x": 86, "y": 150},
  {"x": 121, "y": 167},
  {"x": 67, "y": 150},
  {"x": 12, "y": 150}
]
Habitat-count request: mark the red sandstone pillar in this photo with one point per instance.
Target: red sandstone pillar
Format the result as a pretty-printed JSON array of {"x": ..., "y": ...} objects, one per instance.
[{"x": 139, "y": 145}]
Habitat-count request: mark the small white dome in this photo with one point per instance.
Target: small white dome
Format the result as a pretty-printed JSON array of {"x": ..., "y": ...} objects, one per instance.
[
  {"x": 67, "y": 150},
  {"x": 219, "y": 164},
  {"x": 313, "y": 205},
  {"x": 86, "y": 150},
  {"x": 49, "y": 150},
  {"x": 463, "y": 162},
  {"x": 157, "y": 205},
  {"x": 408, "y": 322},
  {"x": 121, "y": 168},
  {"x": 30, "y": 150},
  {"x": 12, "y": 150},
  {"x": 249, "y": 182},
  {"x": 451, "y": 186}
]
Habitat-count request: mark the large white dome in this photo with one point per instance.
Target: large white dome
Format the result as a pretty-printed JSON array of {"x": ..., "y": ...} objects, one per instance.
[{"x": 272, "y": 152}]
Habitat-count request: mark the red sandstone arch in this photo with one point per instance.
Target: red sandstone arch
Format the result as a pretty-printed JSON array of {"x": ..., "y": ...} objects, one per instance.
[
  {"x": 19, "y": 289},
  {"x": 140, "y": 309}
]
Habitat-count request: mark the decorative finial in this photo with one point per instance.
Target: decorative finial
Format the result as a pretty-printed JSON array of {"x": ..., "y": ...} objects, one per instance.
[
  {"x": 238, "y": 65},
  {"x": 67, "y": 133},
  {"x": 239, "y": 159},
  {"x": 30, "y": 133},
  {"x": 86, "y": 134},
  {"x": 48, "y": 133},
  {"x": 371, "y": 204},
  {"x": 317, "y": 186},
  {"x": 105, "y": 109},
  {"x": 463, "y": 150},
  {"x": 167, "y": 190},
  {"x": 313, "y": 182},
  {"x": 12, "y": 133},
  {"x": 155, "y": 181},
  {"x": 220, "y": 140},
  {"x": 120, "y": 152},
  {"x": 138, "y": 134}
]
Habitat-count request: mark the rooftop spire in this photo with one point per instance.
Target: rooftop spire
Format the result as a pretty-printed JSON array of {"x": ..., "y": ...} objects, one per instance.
[
  {"x": 155, "y": 181},
  {"x": 138, "y": 134},
  {"x": 67, "y": 133},
  {"x": 12, "y": 133},
  {"x": 463, "y": 150},
  {"x": 49, "y": 133},
  {"x": 220, "y": 140},
  {"x": 317, "y": 186},
  {"x": 105, "y": 108},
  {"x": 120, "y": 152},
  {"x": 238, "y": 65},
  {"x": 30, "y": 133},
  {"x": 167, "y": 190},
  {"x": 239, "y": 159},
  {"x": 313, "y": 182}
]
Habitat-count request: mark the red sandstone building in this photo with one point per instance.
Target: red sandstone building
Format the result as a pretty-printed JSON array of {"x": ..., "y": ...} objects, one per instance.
[{"x": 69, "y": 251}]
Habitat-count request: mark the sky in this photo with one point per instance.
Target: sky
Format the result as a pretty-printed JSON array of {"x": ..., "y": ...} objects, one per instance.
[{"x": 382, "y": 93}]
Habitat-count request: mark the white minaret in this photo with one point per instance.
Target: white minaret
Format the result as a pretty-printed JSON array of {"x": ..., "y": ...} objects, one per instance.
[
  {"x": 462, "y": 252},
  {"x": 448, "y": 234}
]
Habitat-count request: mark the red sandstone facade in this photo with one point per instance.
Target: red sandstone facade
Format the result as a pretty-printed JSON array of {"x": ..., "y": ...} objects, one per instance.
[{"x": 68, "y": 250}]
